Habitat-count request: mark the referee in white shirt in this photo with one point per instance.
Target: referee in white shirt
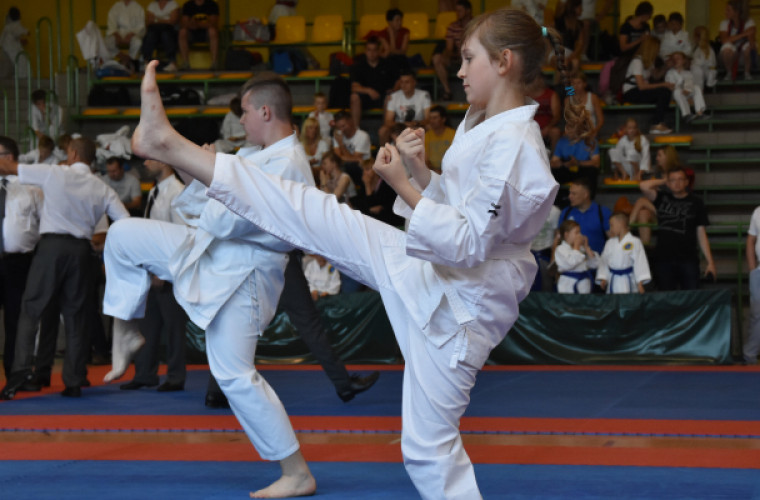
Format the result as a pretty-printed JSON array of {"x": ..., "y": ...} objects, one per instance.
[
  {"x": 75, "y": 200},
  {"x": 20, "y": 208}
]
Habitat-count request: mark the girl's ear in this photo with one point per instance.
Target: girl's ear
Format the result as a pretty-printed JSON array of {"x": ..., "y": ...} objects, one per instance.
[{"x": 506, "y": 61}]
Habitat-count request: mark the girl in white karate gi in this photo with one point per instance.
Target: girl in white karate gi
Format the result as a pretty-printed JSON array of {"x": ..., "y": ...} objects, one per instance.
[
  {"x": 450, "y": 285},
  {"x": 630, "y": 156},
  {"x": 685, "y": 90},
  {"x": 575, "y": 260},
  {"x": 704, "y": 64},
  {"x": 623, "y": 266}
]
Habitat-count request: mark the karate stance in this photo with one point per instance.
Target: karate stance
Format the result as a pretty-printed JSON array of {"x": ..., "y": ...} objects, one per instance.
[
  {"x": 452, "y": 283},
  {"x": 227, "y": 275}
]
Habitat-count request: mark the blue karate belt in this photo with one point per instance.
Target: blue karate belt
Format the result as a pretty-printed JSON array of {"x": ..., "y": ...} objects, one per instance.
[
  {"x": 579, "y": 276},
  {"x": 621, "y": 272}
]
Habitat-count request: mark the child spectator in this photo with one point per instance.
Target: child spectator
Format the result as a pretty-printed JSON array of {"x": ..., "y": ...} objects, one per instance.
[
  {"x": 46, "y": 117},
  {"x": 332, "y": 179},
  {"x": 675, "y": 39},
  {"x": 752, "y": 345},
  {"x": 592, "y": 102},
  {"x": 43, "y": 154},
  {"x": 232, "y": 132},
  {"x": 575, "y": 259},
  {"x": 408, "y": 105},
  {"x": 438, "y": 137},
  {"x": 630, "y": 156},
  {"x": 737, "y": 34},
  {"x": 685, "y": 90},
  {"x": 322, "y": 276},
  {"x": 61, "y": 148},
  {"x": 379, "y": 197},
  {"x": 541, "y": 248},
  {"x": 576, "y": 156},
  {"x": 660, "y": 25},
  {"x": 12, "y": 41},
  {"x": 637, "y": 89},
  {"x": 623, "y": 266},
  {"x": 312, "y": 141},
  {"x": 704, "y": 64},
  {"x": 549, "y": 111},
  {"x": 325, "y": 118}
]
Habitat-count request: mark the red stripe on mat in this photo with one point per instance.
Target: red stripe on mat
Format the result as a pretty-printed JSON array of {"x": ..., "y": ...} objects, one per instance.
[
  {"x": 365, "y": 452},
  {"x": 382, "y": 424}
]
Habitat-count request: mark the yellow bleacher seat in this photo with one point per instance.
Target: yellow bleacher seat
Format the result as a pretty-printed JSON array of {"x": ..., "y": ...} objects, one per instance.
[
  {"x": 442, "y": 22},
  {"x": 100, "y": 111},
  {"x": 235, "y": 75},
  {"x": 417, "y": 24},
  {"x": 313, "y": 73},
  {"x": 216, "y": 110},
  {"x": 327, "y": 28},
  {"x": 180, "y": 111},
  {"x": 290, "y": 29},
  {"x": 131, "y": 112},
  {"x": 371, "y": 22}
]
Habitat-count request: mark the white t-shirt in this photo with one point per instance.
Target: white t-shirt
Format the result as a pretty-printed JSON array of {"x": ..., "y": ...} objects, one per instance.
[
  {"x": 162, "y": 14},
  {"x": 754, "y": 230},
  {"x": 735, "y": 29},
  {"x": 358, "y": 143},
  {"x": 408, "y": 109},
  {"x": 635, "y": 67},
  {"x": 324, "y": 119},
  {"x": 675, "y": 42}
]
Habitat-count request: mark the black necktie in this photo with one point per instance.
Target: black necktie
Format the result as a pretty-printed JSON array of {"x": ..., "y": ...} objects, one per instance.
[
  {"x": 3, "y": 192},
  {"x": 151, "y": 201}
]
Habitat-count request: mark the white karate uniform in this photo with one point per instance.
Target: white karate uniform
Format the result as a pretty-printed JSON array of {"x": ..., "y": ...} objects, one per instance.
[
  {"x": 227, "y": 275},
  {"x": 752, "y": 345},
  {"x": 50, "y": 123},
  {"x": 10, "y": 42},
  {"x": 623, "y": 265},
  {"x": 124, "y": 19},
  {"x": 450, "y": 285},
  {"x": 704, "y": 68},
  {"x": 569, "y": 260},
  {"x": 685, "y": 90},
  {"x": 675, "y": 42},
  {"x": 626, "y": 154},
  {"x": 321, "y": 279}
]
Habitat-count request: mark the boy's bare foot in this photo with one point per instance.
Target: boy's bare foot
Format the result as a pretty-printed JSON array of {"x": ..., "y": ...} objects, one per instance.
[
  {"x": 126, "y": 342},
  {"x": 288, "y": 486},
  {"x": 154, "y": 127}
]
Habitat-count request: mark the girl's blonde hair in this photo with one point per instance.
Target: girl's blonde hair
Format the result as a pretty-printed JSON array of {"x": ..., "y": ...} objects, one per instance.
[
  {"x": 671, "y": 158},
  {"x": 513, "y": 29},
  {"x": 637, "y": 142},
  {"x": 702, "y": 39},
  {"x": 648, "y": 51},
  {"x": 306, "y": 123}
]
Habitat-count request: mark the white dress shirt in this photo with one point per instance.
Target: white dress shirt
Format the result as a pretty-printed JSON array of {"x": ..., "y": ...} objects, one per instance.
[
  {"x": 123, "y": 19},
  {"x": 21, "y": 225},
  {"x": 162, "y": 209}
]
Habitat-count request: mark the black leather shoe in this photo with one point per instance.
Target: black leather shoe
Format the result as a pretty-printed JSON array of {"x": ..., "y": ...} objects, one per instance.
[
  {"x": 86, "y": 383},
  {"x": 43, "y": 379},
  {"x": 134, "y": 385},
  {"x": 358, "y": 384},
  {"x": 30, "y": 385},
  {"x": 170, "y": 387},
  {"x": 72, "y": 392},
  {"x": 15, "y": 383},
  {"x": 216, "y": 400}
]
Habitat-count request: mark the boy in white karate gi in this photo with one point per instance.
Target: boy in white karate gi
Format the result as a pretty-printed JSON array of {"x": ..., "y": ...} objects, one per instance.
[
  {"x": 227, "y": 275},
  {"x": 685, "y": 91},
  {"x": 452, "y": 283},
  {"x": 575, "y": 260},
  {"x": 623, "y": 267}
]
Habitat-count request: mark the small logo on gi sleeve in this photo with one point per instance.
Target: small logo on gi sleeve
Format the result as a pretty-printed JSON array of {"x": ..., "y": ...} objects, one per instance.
[{"x": 494, "y": 211}]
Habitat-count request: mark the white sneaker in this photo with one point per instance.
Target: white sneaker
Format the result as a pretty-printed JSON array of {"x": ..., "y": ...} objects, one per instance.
[
  {"x": 659, "y": 129},
  {"x": 170, "y": 68}
]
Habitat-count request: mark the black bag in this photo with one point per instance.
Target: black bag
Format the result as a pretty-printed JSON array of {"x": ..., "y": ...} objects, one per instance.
[
  {"x": 340, "y": 93},
  {"x": 103, "y": 95},
  {"x": 241, "y": 59},
  {"x": 173, "y": 95},
  {"x": 199, "y": 130},
  {"x": 340, "y": 63}
]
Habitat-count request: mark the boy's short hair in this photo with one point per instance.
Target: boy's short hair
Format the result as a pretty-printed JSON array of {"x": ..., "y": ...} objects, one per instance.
[
  {"x": 342, "y": 115},
  {"x": 583, "y": 182},
  {"x": 391, "y": 13},
  {"x": 10, "y": 145},
  {"x": 644, "y": 8},
  {"x": 270, "y": 89},
  {"x": 320, "y": 94},
  {"x": 441, "y": 111},
  {"x": 676, "y": 16},
  {"x": 659, "y": 19},
  {"x": 465, "y": 3},
  {"x": 566, "y": 227},
  {"x": 114, "y": 160},
  {"x": 622, "y": 216},
  {"x": 85, "y": 148},
  {"x": 38, "y": 95},
  {"x": 372, "y": 40},
  {"x": 45, "y": 142}
]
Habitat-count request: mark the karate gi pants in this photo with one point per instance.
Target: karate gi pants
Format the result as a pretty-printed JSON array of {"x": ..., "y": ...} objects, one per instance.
[
  {"x": 683, "y": 101},
  {"x": 137, "y": 247},
  {"x": 435, "y": 393}
]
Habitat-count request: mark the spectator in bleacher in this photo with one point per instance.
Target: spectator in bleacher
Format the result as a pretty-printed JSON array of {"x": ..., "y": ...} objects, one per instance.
[
  {"x": 447, "y": 54},
  {"x": 541, "y": 248},
  {"x": 232, "y": 132},
  {"x": 686, "y": 92},
  {"x": 576, "y": 155},
  {"x": 47, "y": 118},
  {"x": 322, "y": 276},
  {"x": 638, "y": 90},
  {"x": 42, "y": 154},
  {"x": 567, "y": 22},
  {"x": 593, "y": 218},
  {"x": 372, "y": 79},
  {"x": 162, "y": 312},
  {"x": 199, "y": 23},
  {"x": 635, "y": 29},
  {"x": 12, "y": 41},
  {"x": 325, "y": 118},
  {"x": 379, "y": 197},
  {"x": 592, "y": 102},
  {"x": 161, "y": 22},
  {"x": 623, "y": 266},
  {"x": 643, "y": 211},
  {"x": 752, "y": 345},
  {"x": 127, "y": 186},
  {"x": 737, "y": 34},
  {"x": 408, "y": 105},
  {"x": 589, "y": 16},
  {"x": 681, "y": 222},
  {"x": 534, "y": 8},
  {"x": 675, "y": 39},
  {"x": 126, "y": 29},
  {"x": 659, "y": 26},
  {"x": 394, "y": 39},
  {"x": 281, "y": 8},
  {"x": 438, "y": 137},
  {"x": 549, "y": 111},
  {"x": 312, "y": 141},
  {"x": 704, "y": 64},
  {"x": 630, "y": 156},
  {"x": 575, "y": 259},
  {"x": 350, "y": 143},
  {"x": 332, "y": 178}
]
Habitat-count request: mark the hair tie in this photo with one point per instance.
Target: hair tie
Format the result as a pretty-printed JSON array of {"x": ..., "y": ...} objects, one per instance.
[
  {"x": 544, "y": 31},
  {"x": 569, "y": 90}
]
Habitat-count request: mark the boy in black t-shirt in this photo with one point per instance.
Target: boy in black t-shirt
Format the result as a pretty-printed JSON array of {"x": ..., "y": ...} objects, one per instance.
[{"x": 200, "y": 23}]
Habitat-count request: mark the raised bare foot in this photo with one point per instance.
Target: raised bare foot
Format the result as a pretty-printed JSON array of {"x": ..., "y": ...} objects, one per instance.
[
  {"x": 126, "y": 342},
  {"x": 154, "y": 126},
  {"x": 288, "y": 486}
]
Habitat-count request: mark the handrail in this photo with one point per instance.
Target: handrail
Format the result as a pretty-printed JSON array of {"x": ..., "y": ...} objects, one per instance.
[
  {"x": 5, "y": 110},
  {"x": 58, "y": 30},
  {"x": 22, "y": 55},
  {"x": 51, "y": 74},
  {"x": 72, "y": 82}
]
